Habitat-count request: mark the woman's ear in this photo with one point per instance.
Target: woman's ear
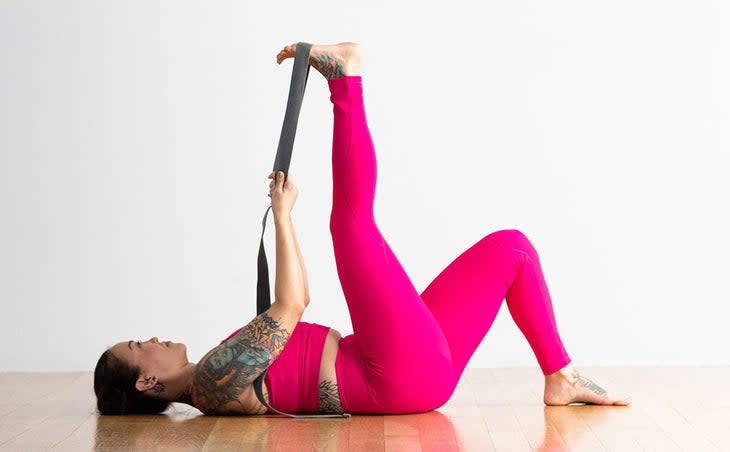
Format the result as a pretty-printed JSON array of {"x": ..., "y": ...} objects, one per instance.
[{"x": 146, "y": 382}]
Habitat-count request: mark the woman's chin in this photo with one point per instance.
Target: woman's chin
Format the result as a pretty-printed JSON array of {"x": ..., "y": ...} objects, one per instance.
[{"x": 183, "y": 350}]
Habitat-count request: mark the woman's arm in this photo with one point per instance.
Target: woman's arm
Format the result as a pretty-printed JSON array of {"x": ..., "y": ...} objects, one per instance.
[
  {"x": 304, "y": 269},
  {"x": 283, "y": 192},
  {"x": 291, "y": 281},
  {"x": 228, "y": 369}
]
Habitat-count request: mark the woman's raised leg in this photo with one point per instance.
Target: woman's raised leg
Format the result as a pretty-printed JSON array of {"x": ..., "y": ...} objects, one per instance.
[
  {"x": 403, "y": 352},
  {"x": 397, "y": 360}
]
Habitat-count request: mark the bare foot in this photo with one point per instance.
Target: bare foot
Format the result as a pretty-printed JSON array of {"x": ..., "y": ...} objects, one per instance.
[
  {"x": 332, "y": 61},
  {"x": 567, "y": 386}
]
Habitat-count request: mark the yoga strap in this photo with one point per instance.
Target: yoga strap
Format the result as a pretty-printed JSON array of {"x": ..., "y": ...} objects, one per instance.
[{"x": 300, "y": 73}]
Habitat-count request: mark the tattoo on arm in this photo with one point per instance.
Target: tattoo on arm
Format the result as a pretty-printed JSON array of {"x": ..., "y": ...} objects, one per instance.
[{"x": 227, "y": 370}]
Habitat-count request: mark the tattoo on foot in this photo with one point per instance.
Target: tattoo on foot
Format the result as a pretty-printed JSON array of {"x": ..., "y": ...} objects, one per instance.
[
  {"x": 585, "y": 382},
  {"x": 328, "y": 66}
]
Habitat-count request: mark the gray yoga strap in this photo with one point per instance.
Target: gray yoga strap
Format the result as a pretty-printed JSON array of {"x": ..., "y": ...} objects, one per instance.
[{"x": 300, "y": 73}]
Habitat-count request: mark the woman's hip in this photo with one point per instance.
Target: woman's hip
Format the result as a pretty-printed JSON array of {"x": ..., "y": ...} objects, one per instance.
[{"x": 393, "y": 382}]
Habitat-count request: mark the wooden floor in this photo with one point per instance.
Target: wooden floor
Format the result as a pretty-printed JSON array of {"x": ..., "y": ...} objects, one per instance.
[{"x": 674, "y": 408}]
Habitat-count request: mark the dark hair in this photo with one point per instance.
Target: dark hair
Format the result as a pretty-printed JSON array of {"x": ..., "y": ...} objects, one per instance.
[{"x": 114, "y": 385}]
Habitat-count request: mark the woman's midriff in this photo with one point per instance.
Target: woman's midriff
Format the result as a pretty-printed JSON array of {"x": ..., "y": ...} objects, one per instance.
[{"x": 328, "y": 395}]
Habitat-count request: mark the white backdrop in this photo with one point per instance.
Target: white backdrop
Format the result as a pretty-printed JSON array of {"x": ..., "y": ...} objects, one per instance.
[{"x": 137, "y": 138}]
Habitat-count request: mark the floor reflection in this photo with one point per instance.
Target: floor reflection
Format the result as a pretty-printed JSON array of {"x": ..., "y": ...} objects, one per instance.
[{"x": 559, "y": 429}]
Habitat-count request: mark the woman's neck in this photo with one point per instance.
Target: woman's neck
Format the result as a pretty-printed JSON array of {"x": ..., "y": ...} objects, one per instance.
[{"x": 178, "y": 389}]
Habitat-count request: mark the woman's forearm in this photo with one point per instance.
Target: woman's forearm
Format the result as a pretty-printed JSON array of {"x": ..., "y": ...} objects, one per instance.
[
  {"x": 301, "y": 264},
  {"x": 289, "y": 286}
]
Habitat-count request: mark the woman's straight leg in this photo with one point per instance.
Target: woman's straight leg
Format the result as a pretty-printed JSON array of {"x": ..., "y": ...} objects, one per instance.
[
  {"x": 397, "y": 359},
  {"x": 466, "y": 296}
]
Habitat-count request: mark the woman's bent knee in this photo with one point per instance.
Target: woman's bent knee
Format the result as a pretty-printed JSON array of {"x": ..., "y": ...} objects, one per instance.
[
  {"x": 508, "y": 235},
  {"x": 514, "y": 239}
]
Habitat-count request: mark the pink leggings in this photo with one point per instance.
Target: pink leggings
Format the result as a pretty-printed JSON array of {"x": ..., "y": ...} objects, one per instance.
[{"x": 408, "y": 350}]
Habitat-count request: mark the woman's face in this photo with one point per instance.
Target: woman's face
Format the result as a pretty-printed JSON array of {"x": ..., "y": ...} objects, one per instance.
[{"x": 152, "y": 356}]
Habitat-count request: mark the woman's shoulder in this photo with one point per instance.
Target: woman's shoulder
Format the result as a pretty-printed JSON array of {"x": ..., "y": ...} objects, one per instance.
[{"x": 246, "y": 403}]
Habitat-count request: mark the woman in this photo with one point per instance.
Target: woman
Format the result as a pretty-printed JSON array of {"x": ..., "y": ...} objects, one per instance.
[{"x": 408, "y": 350}]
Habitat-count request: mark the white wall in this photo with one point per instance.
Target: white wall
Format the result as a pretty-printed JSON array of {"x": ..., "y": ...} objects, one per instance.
[{"x": 137, "y": 138}]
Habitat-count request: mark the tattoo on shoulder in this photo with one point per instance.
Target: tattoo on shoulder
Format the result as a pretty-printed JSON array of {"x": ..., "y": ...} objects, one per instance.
[
  {"x": 227, "y": 370},
  {"x": 329, "y": 398}
]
